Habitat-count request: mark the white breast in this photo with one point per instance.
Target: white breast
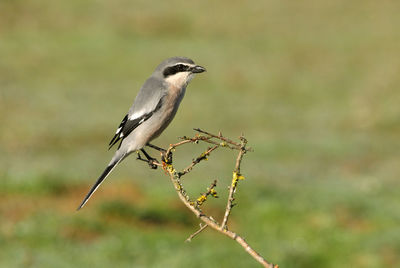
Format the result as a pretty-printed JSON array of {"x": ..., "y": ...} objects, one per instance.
[{"x": 179, "y": 80}]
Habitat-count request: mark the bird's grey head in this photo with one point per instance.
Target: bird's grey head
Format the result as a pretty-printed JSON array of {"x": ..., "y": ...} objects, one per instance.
[{"x": 178, "y": 71}]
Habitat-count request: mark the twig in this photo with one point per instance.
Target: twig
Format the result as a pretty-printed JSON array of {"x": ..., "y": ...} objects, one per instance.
[
  {"x": 235, "y": 179},
  {"x": 194, "y": 206},
  {"x": 202, "y": 227},
  {"x": 201, "y": 157},
  {"x": 210, "y": 191},
  {"x": 219, "y": 136}
]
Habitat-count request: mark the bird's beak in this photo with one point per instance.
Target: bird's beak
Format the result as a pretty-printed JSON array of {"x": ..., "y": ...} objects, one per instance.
[{"x": 197, "y": 69}]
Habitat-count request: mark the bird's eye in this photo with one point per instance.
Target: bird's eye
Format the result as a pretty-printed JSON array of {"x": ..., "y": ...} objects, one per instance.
[{"x": 175, "y": 69}]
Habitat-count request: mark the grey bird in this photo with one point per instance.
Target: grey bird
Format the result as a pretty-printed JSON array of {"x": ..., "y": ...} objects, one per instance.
[{"x": 152, "y": 111}]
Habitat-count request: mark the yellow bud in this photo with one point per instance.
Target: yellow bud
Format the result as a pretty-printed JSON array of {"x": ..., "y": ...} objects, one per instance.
[{"x": 237, "y": 176}]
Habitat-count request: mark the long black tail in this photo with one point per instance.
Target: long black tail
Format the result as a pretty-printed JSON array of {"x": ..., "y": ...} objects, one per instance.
[{"x": 102, "y": 177}]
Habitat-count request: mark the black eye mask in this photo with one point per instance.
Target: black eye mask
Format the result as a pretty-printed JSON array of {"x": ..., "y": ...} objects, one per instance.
[{"x": 175, "y": 69}]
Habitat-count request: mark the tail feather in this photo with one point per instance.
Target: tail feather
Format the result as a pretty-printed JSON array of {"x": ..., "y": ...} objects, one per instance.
[{"x": 102, "y": 177}]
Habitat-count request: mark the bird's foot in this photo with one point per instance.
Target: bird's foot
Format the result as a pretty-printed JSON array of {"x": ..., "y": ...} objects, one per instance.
[{"x": 153, "y": 163}]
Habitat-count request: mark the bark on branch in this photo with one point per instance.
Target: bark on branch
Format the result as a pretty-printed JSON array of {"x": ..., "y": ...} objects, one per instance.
[{"x": 194, "y": 205}]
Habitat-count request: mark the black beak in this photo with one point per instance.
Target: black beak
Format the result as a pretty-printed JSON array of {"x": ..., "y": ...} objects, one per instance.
[{"x": 197, "y": 69}]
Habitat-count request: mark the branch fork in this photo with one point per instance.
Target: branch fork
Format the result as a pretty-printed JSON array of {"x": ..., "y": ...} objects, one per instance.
[{"x": 217, "y": 141}]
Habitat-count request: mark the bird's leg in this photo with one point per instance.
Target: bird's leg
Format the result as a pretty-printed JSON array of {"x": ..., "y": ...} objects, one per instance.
[
  {"x": 139, "y": 157},
  {"x": 162, "y": 151},
  {"x": 157, "y": 148},
  {"x": 150, "y": 160}
]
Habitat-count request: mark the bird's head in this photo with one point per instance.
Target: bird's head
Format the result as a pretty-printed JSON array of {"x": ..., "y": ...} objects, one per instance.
[{"x": 178, "y": 71}]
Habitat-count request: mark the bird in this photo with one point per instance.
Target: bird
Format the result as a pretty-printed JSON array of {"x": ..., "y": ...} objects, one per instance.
[{"x": 152, "y": 111}]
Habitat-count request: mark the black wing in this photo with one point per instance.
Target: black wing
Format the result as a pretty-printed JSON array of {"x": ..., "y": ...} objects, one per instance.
[{"x": 126, "y": 127}]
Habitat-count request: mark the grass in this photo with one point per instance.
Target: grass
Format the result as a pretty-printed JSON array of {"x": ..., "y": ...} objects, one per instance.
[{"x": 313, "y": 85}]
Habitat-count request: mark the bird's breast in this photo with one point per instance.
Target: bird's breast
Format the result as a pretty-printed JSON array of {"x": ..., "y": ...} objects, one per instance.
[
  {"x": 172, "y": 100},
  {"x": 169, "y": 108}
]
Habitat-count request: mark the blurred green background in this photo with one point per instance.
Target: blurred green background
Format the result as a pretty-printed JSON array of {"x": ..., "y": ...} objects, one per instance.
[{"x": 314, "y": 86}]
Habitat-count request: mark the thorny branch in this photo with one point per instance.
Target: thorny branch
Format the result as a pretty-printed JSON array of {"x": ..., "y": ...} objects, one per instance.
[
  {"x": 203, "y": 156},
  {"x": 218, "y": 141}
]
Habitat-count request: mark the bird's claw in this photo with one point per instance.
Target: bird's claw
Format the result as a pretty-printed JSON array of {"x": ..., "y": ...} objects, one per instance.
[{"x": 152, "y": 163}]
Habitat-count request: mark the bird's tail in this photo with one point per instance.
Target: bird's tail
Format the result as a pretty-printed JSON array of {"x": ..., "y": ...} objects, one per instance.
[{"x": 102, "y": 177}]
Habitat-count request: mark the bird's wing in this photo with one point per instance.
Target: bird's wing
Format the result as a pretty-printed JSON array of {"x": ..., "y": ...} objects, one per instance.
[{"x": 147, "y": 102}]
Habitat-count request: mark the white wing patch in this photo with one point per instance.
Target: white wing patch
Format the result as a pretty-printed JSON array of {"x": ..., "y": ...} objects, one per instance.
[{"x": 136, "y": 115}]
